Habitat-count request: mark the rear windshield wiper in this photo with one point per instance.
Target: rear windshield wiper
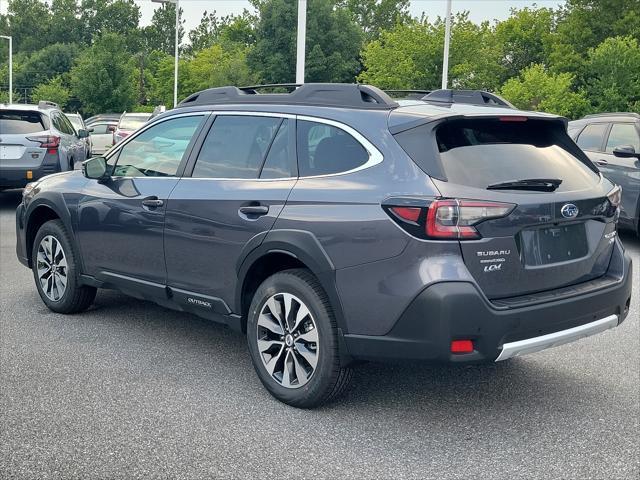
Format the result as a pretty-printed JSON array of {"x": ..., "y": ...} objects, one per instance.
[{"x": 536, "y": 184}]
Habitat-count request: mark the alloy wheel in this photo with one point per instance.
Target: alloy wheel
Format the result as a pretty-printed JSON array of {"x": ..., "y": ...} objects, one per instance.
[
  {"x": 52, "y": 268},
  {"x": 288, "y": 340}
]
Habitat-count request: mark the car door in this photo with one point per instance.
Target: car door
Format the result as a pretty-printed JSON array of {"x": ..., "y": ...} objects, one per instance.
[
  {"x": 624, "y": 171},
  {"x": 121, "y": 219},
  {"x": 235, "y": 186},
  {"x": 76, "y": 144},
  {"x": 101, "y": 137}
]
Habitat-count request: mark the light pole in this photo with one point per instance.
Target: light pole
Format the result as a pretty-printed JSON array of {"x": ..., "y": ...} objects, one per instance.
[
  {"x": 10, "y": 66},
  {"x": 175, "y": 75},
  {"x": 301, "y": 44},
  {"x": 447, "y": 39}
]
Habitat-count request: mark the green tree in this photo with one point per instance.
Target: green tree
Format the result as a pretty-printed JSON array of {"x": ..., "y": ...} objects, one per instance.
[
  {"x": 584, "y": 24},
  {"x": 53, "y": 91},
  {"x": 409, "y": 56},
  {"x": 160, "y": 35},
  {"x": 218, "y": 66},
  {"x": 29, "y": 24},
  {"x": 115, "y": 16},
  {"x": 333, "y": 42},
  {"x": 104, "y": 77},
  {"x": 524, "y": 38},
  {"x": 613, "y": 81},
  {"x": 537, "y": 89},
  {"x": 373, "y": 16},
  {"x": 229, "y": 29},
  {"x": 65, "y": 25},
  {"x": 46, "y": 63}
]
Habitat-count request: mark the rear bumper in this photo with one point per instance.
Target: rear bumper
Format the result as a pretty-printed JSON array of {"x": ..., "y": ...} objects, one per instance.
[
  {"x": 14, "y": 177},
  {"x": 449, "y": 311}
]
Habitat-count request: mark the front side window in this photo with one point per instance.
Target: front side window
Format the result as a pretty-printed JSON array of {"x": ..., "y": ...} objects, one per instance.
[
  {"x": 158, "y": 151},
  {"x": 623, "y": 134},
  {"x": 592, "y": 137},
  {"x": 236, "y": 146},
  {"x": 325, "y": 149},
  {"x": 99, "y": 128}
]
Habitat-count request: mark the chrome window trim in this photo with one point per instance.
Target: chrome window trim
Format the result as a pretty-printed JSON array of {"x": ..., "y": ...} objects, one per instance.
[{"x": 375, "y": 156}]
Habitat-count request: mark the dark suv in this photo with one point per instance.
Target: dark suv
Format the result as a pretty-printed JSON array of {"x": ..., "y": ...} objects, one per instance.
[
  {"x": 612, "y": 142},
  {"x": 334, "y": 224},
  {"x": 37, "y": 140}
]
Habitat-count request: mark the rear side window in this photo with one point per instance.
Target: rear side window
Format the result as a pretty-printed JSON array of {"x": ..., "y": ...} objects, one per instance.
[
  {"x": 479, "y": 153},
  {"x": 99, "y": 128},
  {"x": 592, "y": 137},
  {"x": 236, "y": 146},
  {"x": 15, "y": 122},
  {"x": 623, "y": 134},
  {"x": 325, "y": 149}
]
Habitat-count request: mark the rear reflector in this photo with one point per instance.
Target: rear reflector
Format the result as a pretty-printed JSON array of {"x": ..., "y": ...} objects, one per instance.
[
  {"x": 29, "y": 175},
  {"x": 461, "y": 346},
  {"x": 410, "y": 214}
]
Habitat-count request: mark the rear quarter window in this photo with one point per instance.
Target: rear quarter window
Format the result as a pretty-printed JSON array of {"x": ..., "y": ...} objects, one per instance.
[{"x": 15, "y": 122}]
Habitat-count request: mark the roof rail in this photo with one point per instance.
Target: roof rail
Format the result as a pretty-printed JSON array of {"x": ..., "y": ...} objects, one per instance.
[
  {"x": 471, "y": 97},
  {"x": 613, "y": 114},
  {"x": 47, "y": 104},
  {"x": 408, "y": 94},
  {"x": 349, "y": 95}
]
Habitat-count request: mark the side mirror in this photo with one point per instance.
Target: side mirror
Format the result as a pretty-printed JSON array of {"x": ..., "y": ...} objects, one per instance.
[
  {"x": 95, "y": 168},
  {"x": 626, "y": 151},
  {"x": 82, "y": 133},
  {"x": 111, "y": 128}
]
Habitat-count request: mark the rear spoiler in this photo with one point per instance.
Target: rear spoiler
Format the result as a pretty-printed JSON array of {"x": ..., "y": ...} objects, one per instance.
[{"x": 399, "y": 121}]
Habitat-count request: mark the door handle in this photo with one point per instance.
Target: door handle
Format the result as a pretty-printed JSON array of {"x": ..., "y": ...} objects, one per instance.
[
  {"x": 152, "y": 202},
  {"x": 254, "y": 210},
  {"x": 602, "y": 162}
]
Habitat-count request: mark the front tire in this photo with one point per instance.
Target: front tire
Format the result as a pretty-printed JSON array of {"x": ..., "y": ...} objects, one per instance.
[
  {"x": 293, "y": 340},
  {"x": 56, "y": 272}
]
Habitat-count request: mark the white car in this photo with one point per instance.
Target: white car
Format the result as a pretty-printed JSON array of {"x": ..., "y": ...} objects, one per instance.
[{"x": 102, "y": 136}]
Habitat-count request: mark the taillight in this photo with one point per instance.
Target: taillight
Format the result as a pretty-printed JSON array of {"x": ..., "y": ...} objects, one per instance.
[
  {"x": 50, "y": 142},
  {"x": 448, "y": 219}
]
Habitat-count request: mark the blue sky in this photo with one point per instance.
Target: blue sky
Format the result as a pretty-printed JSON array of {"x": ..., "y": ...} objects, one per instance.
[{"x": 479, "y": 10}]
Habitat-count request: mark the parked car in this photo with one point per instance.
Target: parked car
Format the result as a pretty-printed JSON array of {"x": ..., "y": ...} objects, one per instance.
[
  {"x": 102, "y": 134},
  {"x": 129, "y": 123},
  {"x": 612, "y": 141},
  {"x": 78, "y": 124},
  {"x": 36, "y": 140},
  {"x": 333, "y": 224},
  {"x": 103, "y": 117}
]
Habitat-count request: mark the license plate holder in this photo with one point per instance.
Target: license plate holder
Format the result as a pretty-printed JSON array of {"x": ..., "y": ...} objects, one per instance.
[{"x": 554, "y": 244}]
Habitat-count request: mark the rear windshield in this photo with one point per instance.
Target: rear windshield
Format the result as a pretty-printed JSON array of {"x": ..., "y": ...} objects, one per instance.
[
  {"x": 19, "y": 122},
  {"x": 479, "y": 153},
  {"x": 133, "y": 123}
]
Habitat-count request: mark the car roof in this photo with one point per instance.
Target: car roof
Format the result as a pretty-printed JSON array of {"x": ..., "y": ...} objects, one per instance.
[
  {"x": 27, "y": 107},
  {"x": 607, "y": 117}
]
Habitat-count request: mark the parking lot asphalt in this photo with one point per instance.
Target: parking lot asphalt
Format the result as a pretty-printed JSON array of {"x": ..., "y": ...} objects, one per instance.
[{"x": 129, "y": 389}]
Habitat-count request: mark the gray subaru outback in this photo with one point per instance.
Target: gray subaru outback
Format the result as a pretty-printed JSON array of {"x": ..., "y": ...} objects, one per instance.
[
  {"x": 334, "y": 224},
  {"x": 36, "y": 140}
]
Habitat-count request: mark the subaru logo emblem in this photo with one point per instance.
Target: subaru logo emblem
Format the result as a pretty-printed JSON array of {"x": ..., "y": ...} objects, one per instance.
[{"x": 569, "y": 210}]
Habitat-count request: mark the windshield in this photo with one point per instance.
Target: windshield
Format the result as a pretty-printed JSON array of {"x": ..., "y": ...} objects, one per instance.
[
  {"x": 133, "y": 122},
  {"x": 75, "y": 121}
]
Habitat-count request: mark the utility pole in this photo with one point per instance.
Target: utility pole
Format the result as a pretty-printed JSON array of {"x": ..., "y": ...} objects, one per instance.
[
  {"x": 301, "y": 43},
  {"x": 10, "y": 66},
  {"x": 175, "y": 67},
  {"x": 447, "y": 39}
]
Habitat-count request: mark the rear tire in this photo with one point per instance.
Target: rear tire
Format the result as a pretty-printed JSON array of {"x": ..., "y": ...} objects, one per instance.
[
  {"x": 56, "y": 272},
  {"x": 293, "y": 340}
]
